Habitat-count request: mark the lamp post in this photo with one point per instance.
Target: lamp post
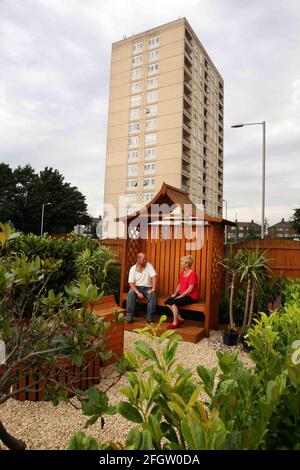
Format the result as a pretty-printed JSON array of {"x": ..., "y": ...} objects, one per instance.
[
  {"x": 263, "y": 197},
  {"x": 42, "y": 220},
  {"x": 226, "y": 219}
]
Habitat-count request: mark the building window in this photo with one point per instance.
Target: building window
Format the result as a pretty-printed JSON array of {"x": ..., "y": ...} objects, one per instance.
[
  {"x": 134, "y": 127},
  {"x": 137, "y": 60},
  {"x": 133, "y": 155},
  {"x": 149, "y": 168},
  {"x": 132, "y": 185},
  {"x": 149, "y": 183},
  {"x": 134, "y": 114},
  {"x": 150, "y": 139},
  {"x": 137, "y": 47},
  {"x": 149, "y": 153},
  {"x": 132, "y": 170},
  {"x": 136, "y": 74},
  {"x": 147, "y": 197},
  {"x": 151, "y": 124},
  {"x": 134, "y": 141},
  {"x": 152, "y": 83},
  {"x": 136, "y": 87},
  {"x": 153, "y": 68},
  {"x": 151, "y": 96},
  {"x": 131, "y": 199},
  {"x": 135, "y": 100},
  {"x": 153, "y": 42},
  {"x": 151, "y": 110},
  {"x": 130, "y": 210},
  {"x": 153, "y": 55}
]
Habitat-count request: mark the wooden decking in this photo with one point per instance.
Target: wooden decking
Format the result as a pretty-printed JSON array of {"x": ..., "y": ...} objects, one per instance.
[{"x": 191, "y": 331}]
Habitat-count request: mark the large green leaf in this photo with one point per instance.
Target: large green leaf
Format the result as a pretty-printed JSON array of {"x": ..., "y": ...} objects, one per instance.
[
  {"x": 129, "y": 412},
  {"x": 193, "y": 434},
  {"x": 144, "y": 350}
]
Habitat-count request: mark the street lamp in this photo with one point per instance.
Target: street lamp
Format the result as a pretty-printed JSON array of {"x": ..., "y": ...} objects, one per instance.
[
  {"x": 42, "y": 220},
  {"x": 226, "y": 219},
  {"x": 263, "y": 202}
]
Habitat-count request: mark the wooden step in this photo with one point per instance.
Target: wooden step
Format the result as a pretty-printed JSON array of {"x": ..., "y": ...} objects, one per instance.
[{"x": 191, "y": 331}]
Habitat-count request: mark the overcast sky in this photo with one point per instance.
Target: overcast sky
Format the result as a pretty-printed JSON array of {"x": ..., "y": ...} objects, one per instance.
[{"x": 54, "y": 77}]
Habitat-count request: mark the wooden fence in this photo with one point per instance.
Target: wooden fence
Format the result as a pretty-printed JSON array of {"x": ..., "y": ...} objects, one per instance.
[
  {"x": 116, "y": 245},
  {"x": 284, "y": 254}
]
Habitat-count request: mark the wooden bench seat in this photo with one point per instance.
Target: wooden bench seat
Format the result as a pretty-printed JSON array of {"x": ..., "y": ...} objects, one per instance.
[{"x": 196, "y": 307}]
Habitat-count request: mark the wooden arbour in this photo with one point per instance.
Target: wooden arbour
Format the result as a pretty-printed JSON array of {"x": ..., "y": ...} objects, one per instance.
[{"x": 164, "y": 253}]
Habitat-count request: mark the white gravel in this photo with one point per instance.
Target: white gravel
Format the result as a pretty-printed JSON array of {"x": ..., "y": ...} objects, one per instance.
[{"x": 44, "y": 426}]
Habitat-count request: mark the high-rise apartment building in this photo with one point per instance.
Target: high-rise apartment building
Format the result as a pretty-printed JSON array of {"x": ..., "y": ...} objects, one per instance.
[{"x": 165, "y": 120}]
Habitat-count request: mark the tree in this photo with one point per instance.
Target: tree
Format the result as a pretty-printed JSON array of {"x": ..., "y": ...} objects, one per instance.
[
  {"x": 232, "y": 264},
  {"x": 296, "y": 221},
  {"x": 253, "y": 232},
  {"x": 7, "y": 192},
  {"x": 253, "y": 271},
  {"x": 23, "y": 192}
]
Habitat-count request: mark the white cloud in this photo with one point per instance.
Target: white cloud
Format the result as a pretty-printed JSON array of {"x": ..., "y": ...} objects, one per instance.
[{"x": 54, "y": 78}]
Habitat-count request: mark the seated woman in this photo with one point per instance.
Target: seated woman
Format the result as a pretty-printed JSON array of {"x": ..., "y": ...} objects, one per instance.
[{"x": 186, "y": 292}]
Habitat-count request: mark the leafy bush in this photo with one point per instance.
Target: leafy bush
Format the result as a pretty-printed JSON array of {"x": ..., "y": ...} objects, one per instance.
[
  {"x": 70, "y": 251},
  {"x": 291, "y": 289},
  {"x": 273, "y": 289},
  {"x": 56, "y": 327},
  {"x": 276, "y": 342},
  {"x": 99, "y": 267},
  {"x": 243, "y": 408}
]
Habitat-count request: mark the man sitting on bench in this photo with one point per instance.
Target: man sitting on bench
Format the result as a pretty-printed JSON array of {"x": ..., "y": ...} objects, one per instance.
[{"x": 142, "y": 282}]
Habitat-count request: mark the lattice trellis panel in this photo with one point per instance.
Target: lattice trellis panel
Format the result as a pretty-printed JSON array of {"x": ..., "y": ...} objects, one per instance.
[
  {"x": 217, "y": 255},
  {"x": 133, "y": 246}
]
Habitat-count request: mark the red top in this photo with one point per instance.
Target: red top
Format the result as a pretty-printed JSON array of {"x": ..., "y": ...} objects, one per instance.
[{"x": 186, "y": 281}]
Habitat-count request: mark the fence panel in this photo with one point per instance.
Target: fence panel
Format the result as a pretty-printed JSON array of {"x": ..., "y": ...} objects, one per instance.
[{"x": 284, "y": 254}]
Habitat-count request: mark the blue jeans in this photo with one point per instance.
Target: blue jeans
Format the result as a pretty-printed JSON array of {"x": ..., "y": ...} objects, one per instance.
[{"x": 131, "y": 299}]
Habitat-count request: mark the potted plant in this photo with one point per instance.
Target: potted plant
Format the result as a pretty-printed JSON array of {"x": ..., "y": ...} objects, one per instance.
[
  {"x": 232, "y": 265},
  {"x": 253, "y": 271},
  {"x": 230, "y": 336}
]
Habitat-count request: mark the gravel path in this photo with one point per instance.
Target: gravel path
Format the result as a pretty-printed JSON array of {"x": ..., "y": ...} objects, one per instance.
[{"x": 43, "y": 426}]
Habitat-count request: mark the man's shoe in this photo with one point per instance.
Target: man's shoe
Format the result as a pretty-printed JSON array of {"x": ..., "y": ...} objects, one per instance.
[
  {"x": 129, "y": 320},
  {"x": 149, "y": 320}
]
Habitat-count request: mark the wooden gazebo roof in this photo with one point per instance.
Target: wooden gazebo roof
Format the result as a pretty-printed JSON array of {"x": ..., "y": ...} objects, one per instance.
[{"x": 172, "y": 196}]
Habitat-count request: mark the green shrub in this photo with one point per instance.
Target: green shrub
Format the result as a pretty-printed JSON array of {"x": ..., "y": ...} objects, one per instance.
[
  {"x": 69, "y": 250},
  {"x": 291, "y": 289},
  {"x": 56, "y": 327},
  {"x": 243, "y": 408},
  {"x": 99, "y": 267},
  {"x": 276, "y": 342}
]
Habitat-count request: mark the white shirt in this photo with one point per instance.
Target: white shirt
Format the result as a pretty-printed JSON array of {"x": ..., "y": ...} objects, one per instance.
[{"x": 142, "y": 278}]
